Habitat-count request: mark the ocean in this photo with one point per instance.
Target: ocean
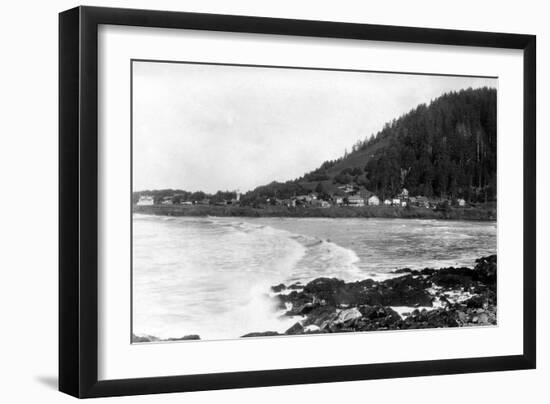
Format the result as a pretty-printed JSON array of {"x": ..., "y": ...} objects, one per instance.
[{"x": 212, "y": 276}]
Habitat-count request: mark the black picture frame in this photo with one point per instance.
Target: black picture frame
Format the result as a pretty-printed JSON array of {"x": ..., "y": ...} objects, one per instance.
[{"x": 78, "y": 201}]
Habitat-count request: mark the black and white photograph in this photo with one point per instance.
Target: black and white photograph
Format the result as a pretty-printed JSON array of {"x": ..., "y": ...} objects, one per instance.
[{"x": 276, "y": 201}]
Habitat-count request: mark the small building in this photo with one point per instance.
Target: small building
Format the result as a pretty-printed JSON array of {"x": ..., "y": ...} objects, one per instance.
[
  {"x": 396, "y": 202},
  {"x": 167, "y": 200},
  {"x": 403, "y": 204},
  {"x": 404, "y": 194},
  {"x": 461, "y": 202},
  {"x": 373, "y": 201},
  {"x": 145, "y": 200},
  {"x": 387, "y": 202},
  {"x": 356, "y": 201},
  {"x": 338, "y": 200},
  {"x": 186, "y": 203}
]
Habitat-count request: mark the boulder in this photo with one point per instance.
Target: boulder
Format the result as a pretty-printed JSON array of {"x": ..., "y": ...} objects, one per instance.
[
  {"x": 320, "y": 315},
  {"x": 144, "y": 338},
  {"x": 453, "y": 277},
  {"x": 475, "y": 302},
  {"x": 324, "y": 288},
  {"x": 348, "y": 317},
  {"x": 405, "y": 271},
  {"x": 278, "y": 288},
  {"x": 185, "y": 338},
  {"x": 486, "y": 269}
]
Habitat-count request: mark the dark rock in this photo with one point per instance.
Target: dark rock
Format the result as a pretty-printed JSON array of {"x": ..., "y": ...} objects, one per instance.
[
  {"x": 333, "y": 305},
  {"x": 486, "y": 269},
  {"x": 296, "y": 329},
  {"x": 280, "y": 287},
  {"x": 144, "y": 338},
  {"x": 406, "y": 290},
  {"x": 405, "y": 271},
  {"x": 431, "y": 319},
  {"x": 325, "y": 288},
  {"x": 261, "y": 334},
  {"x": 453, "y": 277},
  {"x": 185, "y": 337},
  {"x": 379, "y": 312},
  {"x": 378, "y": 318},
  {"x": 475, "y": 302},
  {"x": 299, "y": 300},
  {"x": 428, "y": 271},
  {"x": 321, "y": 314}
]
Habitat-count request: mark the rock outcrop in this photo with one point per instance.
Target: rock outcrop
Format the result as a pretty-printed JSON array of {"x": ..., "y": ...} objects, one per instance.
[{"x": 448, "y": 297}]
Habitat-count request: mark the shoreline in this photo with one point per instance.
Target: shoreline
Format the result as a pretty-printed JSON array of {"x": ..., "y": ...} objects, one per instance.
[
  {"x": 429, "y": 298},
  {"x": 413, "y": 299},
  {"x": 482, "y": 213}
]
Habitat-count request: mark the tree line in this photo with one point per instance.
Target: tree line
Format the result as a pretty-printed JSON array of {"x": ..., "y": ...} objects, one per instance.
[{"x": 447, "y": 149}]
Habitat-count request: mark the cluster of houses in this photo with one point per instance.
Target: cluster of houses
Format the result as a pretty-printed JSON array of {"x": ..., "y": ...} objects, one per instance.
[
  {"x": 177, "y": 199},
  {"x": 347, "y": 195}
]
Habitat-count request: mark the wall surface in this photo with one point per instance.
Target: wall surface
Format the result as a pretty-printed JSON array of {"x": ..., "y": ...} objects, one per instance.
[{"x": 28, "y": 167}]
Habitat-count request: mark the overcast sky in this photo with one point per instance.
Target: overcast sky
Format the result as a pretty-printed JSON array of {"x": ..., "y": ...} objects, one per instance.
[{"x": 209, "y": 128}]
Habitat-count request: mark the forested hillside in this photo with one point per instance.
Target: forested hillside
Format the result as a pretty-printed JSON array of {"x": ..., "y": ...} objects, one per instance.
[{"x": 446, "y": 149}]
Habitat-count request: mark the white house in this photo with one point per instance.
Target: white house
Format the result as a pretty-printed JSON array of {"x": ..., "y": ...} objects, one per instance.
[
  {"x": 396, "y": 201},
  {"x": 146, "y": 200},
  {"x": 403, "y": 203},
  {"x": 373, "y": 200},
  {"x": 167, "y": 201},
  {"x": 387, "y": 202},
  {"x": 461, "y": 202}
]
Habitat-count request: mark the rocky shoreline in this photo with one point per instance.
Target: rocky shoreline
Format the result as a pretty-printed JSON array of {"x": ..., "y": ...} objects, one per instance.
[
  {"x": 412, "y": 299},
  {"x": 430, "y": 298}
]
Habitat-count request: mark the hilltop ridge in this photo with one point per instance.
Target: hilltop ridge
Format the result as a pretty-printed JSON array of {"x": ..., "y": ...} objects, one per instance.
[{"x": 446, "y": 149}]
